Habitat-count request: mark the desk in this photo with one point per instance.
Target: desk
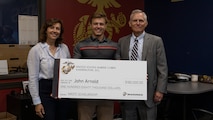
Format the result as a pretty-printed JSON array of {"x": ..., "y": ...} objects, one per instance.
[{"x": 188, "y": 88}]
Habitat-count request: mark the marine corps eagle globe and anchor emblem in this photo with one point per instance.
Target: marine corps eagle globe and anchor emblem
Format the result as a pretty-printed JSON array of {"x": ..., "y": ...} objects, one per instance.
[
  {"x": 115, "y": 22},
  {"x": 67, "y": 67}
]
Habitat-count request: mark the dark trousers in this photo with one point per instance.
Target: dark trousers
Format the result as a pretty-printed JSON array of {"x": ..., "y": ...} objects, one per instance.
[
  {"x": 134, "y": 110},
  {"x": 55, "y": 109}
]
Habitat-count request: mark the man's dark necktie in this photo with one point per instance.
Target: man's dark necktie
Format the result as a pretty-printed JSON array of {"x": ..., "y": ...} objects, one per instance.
[{"x": 134, "y": 54}]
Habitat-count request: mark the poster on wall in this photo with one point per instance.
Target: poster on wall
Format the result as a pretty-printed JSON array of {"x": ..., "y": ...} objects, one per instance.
[{"x": 28, "y": 29}]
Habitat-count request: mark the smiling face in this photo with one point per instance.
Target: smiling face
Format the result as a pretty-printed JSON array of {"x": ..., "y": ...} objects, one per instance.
[
  {"x": 53, "y": 32},
  {"x": 138, "y": 23},
  {"x": 98, "y": 26}
]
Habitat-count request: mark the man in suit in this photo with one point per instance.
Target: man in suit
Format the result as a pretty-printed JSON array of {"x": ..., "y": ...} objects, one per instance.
[{"x": 150, "y": 49}]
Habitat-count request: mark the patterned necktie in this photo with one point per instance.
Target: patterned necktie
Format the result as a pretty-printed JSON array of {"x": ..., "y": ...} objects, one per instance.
[{"x": 134, "y": 54}]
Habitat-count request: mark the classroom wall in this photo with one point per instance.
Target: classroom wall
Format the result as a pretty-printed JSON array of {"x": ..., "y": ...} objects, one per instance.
[{"x": 186, "y": 28}]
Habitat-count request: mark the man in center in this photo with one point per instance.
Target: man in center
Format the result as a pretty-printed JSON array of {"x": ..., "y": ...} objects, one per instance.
[{"x": 97, "y": 46}]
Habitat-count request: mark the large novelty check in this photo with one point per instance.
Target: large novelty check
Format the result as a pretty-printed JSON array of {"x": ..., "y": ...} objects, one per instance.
[{"x": 100, "y": 79}]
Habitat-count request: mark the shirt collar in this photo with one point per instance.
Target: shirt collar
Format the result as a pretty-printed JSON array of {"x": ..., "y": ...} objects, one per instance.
[
  {"x": 140, "y": 37},
  {"x": 45, "y": 45},
  {"x": 95, "y": 39}
]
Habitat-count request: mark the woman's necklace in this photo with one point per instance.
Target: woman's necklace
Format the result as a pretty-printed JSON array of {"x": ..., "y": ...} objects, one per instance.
[{"x": 52, "y": 50}]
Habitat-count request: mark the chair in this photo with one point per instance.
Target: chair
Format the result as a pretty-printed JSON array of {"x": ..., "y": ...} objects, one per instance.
[{"x": 201, "y": 114}]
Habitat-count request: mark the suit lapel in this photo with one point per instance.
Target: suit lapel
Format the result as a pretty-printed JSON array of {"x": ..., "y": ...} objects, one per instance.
[
  {"x": 127, "y": 43},
  {"x": 145, "y": 46}
]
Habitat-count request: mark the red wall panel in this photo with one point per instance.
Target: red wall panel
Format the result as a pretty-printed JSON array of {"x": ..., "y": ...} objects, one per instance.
[
  {"x": 75, "y": 14},
  {"x": 5, "y": 92}
]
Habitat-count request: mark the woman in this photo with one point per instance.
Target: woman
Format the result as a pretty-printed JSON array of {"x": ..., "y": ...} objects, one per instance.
[{"x": 41, "y": 68}]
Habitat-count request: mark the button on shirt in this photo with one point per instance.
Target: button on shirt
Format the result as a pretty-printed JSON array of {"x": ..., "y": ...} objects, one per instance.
[
  {"x": 140, "y": 45},
  {"x": 40, "y": 64}
]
